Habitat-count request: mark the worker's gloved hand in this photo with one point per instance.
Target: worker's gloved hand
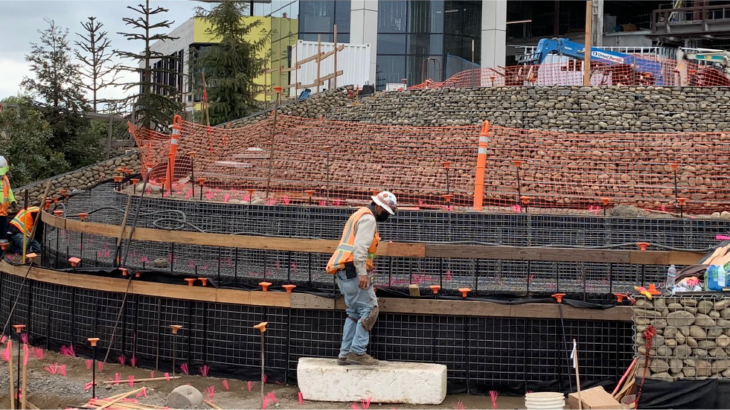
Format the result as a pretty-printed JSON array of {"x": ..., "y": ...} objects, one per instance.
[
  {"x": 14, "y": 206},
  {"x": 363, "y": 281}
]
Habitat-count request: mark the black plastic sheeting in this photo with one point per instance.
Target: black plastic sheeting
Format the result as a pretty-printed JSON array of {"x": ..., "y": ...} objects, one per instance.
[
  {"x": 481, "y": 353},
  {"x": 685, "y": 394}
]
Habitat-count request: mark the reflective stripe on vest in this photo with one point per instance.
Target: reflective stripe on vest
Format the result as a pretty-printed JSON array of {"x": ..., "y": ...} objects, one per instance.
[
  {"x": 24, "y": 220},
  {"x": 344, "y": 252},
  {"x": 6, "y": 190}
]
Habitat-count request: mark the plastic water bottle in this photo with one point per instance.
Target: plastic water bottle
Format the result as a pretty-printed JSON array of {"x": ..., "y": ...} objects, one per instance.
[{"x": 671, "y": 276}]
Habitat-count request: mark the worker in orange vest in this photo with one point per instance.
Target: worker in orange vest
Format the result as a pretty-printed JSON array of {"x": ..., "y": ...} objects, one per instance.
[
  {"x": 351, "y": 264},
  {"x": 6, "y": 198},
  {"x": 21, "y": 227}
]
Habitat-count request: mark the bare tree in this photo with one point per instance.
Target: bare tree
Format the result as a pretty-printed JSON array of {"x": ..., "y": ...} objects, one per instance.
[
  {"x": 97, "y": 67},
  {"x": 156, "y": 101}
]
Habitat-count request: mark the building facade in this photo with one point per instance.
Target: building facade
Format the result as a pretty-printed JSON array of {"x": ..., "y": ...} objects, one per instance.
[{"x": 409, "y": 39}]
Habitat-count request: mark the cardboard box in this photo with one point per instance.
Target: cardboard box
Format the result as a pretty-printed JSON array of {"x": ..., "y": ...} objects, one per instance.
[{"x": 595, "y": 398}]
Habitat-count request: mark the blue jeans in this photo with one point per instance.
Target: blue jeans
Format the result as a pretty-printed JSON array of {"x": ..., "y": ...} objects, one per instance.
[
  {"x": 359, "y": 303},
  {"x": 16, "y": 244}
]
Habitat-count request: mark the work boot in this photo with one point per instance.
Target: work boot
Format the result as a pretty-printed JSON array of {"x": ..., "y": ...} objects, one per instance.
[
  {"x": 342, "y": 361},
  {"x": 362, "y": 359}
]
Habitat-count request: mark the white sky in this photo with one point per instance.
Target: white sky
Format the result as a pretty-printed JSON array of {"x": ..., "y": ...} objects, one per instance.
[{"x": 20, "y": 21}]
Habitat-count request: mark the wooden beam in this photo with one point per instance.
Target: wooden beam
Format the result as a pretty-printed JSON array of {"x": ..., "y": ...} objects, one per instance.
[
  {"x": 283, "y": 70},
  {"x": 395, "y": 249},
  {"x": 308, "y": 301}
]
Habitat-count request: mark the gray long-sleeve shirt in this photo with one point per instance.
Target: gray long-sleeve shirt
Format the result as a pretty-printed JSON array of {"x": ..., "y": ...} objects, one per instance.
[{"x": 364, "y": 233}]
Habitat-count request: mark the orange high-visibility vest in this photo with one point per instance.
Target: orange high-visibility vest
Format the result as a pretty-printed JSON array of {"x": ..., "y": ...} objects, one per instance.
[
  {"x": 344, "y": 252},
  {"x": 7, "y": 198},
  {"x": 24, "y": 220}
]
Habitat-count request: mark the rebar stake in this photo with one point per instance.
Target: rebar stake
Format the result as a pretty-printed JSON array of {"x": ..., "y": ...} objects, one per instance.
[
  {"x": 262, "y": 328},
  {"x": 175, "y": 329},
  {"x": 16, "y": 396},
  {"x": 93, "y": 341}
]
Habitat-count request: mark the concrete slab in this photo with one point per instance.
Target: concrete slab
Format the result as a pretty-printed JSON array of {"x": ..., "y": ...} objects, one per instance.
[{"x": 389, "y": 382}]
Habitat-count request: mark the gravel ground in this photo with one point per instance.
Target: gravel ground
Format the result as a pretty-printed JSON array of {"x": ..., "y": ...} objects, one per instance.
[{"x": 48, "y": 391}]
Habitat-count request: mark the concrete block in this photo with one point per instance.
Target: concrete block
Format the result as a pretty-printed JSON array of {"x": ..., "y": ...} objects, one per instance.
[
  {"x": 184, "y": 397},
  {"x": 389, "y": 382}
]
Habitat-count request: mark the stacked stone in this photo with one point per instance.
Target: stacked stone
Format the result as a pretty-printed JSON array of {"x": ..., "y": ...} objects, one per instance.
[
  {"x": 79, "y": 179},
  {"x": 692, "y": 339},
  {"x": 564, "y": 108}
]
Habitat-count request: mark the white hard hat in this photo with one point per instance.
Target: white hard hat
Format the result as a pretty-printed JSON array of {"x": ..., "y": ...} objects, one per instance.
[
  {"x": 4, "y": 168},
  {"x": 386, "y": 200}
]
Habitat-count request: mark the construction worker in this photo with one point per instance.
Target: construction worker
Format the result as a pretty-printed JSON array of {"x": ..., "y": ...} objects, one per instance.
[
  {"x": 351, "y": 264},
  {"x": 20, "y": 228},
  {"x": 6, "y": 199}
]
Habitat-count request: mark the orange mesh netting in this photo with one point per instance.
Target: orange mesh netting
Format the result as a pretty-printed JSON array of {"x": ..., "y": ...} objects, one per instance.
[
  {"x": 342, "y": 161},
  {"x": 338, "y": 160},
  {"x": 657, "y": 72}
]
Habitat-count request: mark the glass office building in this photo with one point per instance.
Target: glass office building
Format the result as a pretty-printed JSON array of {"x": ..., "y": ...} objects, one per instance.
[{"x": 416, "y": 39}]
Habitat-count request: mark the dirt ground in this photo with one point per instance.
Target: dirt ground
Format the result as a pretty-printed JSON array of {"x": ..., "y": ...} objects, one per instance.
[{"x": 55, "y": 391}]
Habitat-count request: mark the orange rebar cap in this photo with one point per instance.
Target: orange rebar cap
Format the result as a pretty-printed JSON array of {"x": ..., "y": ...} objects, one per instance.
[
  {"x": 265, "y": 286},
  {"x": 464, "y": 291},
  {"x": 93, "y": 341},
  {"x": 175, "y": 328},
  {"x": 204, "y": 281},
  {"x": 18, "y": 328},
  {"x": 83, "y": 216},
  {"x": 289, "y": 288},
  {"x": 74, "y": 261},
  {"x": 435, "y": 289},
  {"x": 261, "y": 326},
  {"x": 190, "y": 281},
  {"x": 558, "y": 297}
]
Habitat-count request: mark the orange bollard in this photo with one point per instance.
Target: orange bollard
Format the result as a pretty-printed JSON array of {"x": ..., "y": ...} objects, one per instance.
[
  {"x": 289, "y": 288},
  {"x": 481, "y": 167},
  {"x": 265, "y": 286},
  {"x": 174, "y": 142}
]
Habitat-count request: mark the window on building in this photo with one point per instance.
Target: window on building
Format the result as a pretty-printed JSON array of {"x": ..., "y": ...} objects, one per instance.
[
  {"x": 392, "y": 44},
  {"x": 390, "y": 69},
  {"x": 392, "y": 16},
  {"x": 316, "y": 16},
  {"x": 425, "y": 44},
  {"x": 426, "y": 16}
]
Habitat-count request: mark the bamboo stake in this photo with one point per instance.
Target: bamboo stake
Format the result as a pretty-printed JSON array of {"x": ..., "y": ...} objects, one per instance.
[
  {"x": 577, "y": 373},
  {"x": 10, "y": 372},
  {"x": 24, "y": 389},
  {"x": 123, "y": 396},
  {"x": 213, "y": 405},
  {"x": 150, "y": 379}
]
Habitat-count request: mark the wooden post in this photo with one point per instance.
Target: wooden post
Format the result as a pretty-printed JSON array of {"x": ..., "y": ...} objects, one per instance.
[
  {"x": 577, "y": 372},
  {"x": 587, "y": 49},
  {"x": 296, "y": 69},
  {"x": 335, "y": 57},
  {"x": 319, "y": 60}
]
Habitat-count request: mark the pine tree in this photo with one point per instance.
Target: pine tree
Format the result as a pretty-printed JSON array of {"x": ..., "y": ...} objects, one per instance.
[
  {"x": 97, "y": 66},
  {"x": 57, "y": 92},
  {"x": 232, "y": 65},
  {"x": 156, "y": 102}
]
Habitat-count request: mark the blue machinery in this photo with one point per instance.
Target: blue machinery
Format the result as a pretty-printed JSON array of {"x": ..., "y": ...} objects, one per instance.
[{"x": 626, "y": 68}]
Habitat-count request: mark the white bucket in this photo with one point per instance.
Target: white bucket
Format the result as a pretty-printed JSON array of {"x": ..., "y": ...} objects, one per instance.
[{"x": 544, "y": 401}]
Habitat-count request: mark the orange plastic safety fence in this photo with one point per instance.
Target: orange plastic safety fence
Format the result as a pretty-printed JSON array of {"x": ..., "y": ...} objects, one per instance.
[
  {"x": 652, "y": 72},
  {"x": 335, "y": 161},
  {"x": 577, "y": 171}
]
